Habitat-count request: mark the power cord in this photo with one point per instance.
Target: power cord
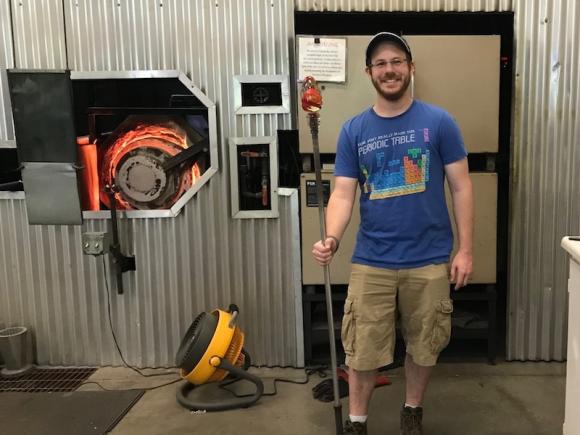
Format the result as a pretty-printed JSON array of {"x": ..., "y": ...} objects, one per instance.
[
  {"x": 130, "y": 389},
  {"x": 309, "y": 371},
  {"x": 135, "y": 369}
]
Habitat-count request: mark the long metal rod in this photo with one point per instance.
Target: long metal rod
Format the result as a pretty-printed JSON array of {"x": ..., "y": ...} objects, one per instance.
[{"x": 328, "y": 293}]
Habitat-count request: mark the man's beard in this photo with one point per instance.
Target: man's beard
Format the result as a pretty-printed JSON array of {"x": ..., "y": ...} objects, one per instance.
[{"x": 389, "y": 96}]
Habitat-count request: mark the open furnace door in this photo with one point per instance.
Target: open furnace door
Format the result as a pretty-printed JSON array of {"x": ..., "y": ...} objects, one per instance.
[{"x": 46, "y": 145}]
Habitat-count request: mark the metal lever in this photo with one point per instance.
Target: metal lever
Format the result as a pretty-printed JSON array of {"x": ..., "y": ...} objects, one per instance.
[
  {"x": 121, "y": 262},
  {"x": 186, "y": 155}
]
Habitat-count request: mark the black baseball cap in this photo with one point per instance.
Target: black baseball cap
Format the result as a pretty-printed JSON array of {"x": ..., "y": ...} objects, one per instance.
[{"x": 387, "y": 37}]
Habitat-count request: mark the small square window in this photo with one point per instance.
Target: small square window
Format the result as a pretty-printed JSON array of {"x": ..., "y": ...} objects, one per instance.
[{"x": 261, "y": 94}]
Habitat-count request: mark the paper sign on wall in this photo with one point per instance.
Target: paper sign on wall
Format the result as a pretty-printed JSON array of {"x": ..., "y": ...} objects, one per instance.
[{"x": 322, "y": 58}]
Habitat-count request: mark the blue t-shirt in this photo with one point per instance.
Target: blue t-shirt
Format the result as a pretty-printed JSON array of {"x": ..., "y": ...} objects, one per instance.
[{"x": 399, "y": 163}]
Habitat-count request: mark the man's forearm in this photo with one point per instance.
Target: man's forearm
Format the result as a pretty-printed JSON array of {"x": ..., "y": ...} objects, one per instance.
[
  {"x": 464, "y": 216},
  {"x": 338, "y": 215}
]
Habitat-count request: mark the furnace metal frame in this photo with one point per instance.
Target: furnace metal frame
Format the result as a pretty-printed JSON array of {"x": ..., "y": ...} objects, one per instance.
[{"x": 213, "y": 144}]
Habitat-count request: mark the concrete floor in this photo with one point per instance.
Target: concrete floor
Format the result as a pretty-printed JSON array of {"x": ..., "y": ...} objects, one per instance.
[{"x": 466, "y": 399}]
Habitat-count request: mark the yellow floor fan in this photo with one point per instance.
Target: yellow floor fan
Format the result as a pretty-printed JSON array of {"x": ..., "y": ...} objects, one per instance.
[{"x": 212, "y": 349}]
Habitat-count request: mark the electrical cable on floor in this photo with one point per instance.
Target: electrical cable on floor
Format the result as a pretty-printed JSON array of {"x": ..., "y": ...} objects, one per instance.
[
  {"x": 309, "y": 371},
  {"x": 320, "y": 370},
  {"x": 131, "y": 389}
]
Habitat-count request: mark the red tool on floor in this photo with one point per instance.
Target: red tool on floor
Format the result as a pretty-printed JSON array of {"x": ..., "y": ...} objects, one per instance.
[
  {"x": 312, "y": 103},
  {"x": 323, "y": 390}
]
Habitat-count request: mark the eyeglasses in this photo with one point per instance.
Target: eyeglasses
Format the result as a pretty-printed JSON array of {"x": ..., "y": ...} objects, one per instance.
[{"x": 382, "y": 64}]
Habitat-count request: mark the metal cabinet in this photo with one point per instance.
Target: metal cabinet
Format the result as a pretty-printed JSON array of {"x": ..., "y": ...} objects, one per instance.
[{"x": 475, "y": 307}]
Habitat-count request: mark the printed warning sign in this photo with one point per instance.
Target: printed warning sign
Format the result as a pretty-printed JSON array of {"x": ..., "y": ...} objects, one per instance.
[{"x": 322, "y": 58}]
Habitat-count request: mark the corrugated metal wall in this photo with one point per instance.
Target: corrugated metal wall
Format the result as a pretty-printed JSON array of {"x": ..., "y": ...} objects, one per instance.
[
  {"x": 184, "y": 265},
  {"x": 195, "y": 262},
  {"x": 6, "y": 61},
  {"x": 545, "y": 187},
  {"x": 546, "y": 173},
  {"x": 39, "y": 40},
  {"x": 212, "y": 41}
]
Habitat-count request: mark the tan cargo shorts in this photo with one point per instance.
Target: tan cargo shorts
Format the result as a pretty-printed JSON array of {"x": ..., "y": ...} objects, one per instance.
[{"x": 421, "y": 297}]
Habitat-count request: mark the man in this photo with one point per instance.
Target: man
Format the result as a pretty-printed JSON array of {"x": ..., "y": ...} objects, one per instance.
[{"x": 399, "y": 151}]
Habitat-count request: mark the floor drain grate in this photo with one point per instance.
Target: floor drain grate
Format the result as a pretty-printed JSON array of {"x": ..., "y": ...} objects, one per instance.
[{"x": 47, "y": 380}]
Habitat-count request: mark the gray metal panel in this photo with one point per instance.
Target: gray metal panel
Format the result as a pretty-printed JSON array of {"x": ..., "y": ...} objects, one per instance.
[
  {"x": 6, "y": 62},
  {"x": 43, "y": 115},
  {"x": 545, "y": 161},
  {"x": 199, "y": 260},
  {"x": 52, "y": 195}
]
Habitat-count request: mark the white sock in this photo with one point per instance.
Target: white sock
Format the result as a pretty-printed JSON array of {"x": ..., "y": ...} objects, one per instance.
[
  {"x": 411, "y": 406},
  {"x": 358, "y": 418}
]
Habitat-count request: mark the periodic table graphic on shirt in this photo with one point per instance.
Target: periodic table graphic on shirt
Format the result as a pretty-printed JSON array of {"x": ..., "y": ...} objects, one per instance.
[{"x": 398, "y": 176}]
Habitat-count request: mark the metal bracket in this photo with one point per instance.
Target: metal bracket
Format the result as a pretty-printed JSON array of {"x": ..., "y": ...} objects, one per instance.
[{"x": 95, "y": 243}]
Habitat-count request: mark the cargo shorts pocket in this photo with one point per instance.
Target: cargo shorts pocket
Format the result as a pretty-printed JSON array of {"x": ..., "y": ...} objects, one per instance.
[
  {"x": 348, "y": 326},
  {"x": 442, "y": 327}
]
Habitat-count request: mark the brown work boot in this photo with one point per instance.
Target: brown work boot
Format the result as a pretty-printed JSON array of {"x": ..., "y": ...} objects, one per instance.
[
  {"x": 355, "y": 428},
  {"x": 411, "y": 421}
]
